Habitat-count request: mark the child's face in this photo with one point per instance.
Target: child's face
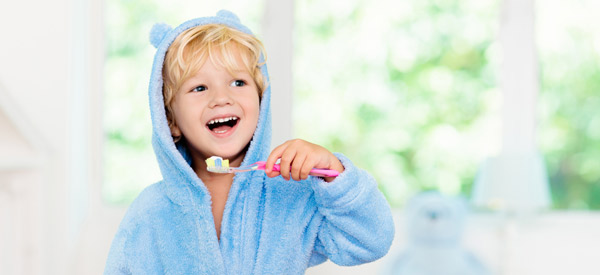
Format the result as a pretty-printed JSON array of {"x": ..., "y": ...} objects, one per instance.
[{"x": 216, "y": 112}]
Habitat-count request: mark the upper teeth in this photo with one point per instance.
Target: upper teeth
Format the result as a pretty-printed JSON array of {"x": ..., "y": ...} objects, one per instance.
[{"x": 221, "y": 120}]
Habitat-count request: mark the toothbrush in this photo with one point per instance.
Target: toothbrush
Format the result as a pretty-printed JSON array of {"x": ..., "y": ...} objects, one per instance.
[{"x": 219, "y": 165}]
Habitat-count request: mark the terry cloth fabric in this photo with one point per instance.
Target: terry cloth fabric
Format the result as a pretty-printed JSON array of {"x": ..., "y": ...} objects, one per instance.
[{"x": 269, "y": 225}]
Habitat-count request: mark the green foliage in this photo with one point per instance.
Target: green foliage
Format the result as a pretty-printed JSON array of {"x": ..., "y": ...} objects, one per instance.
[
  {"x": 405, "y": 86},
  {"x": 570, "y": 99},
  {"x": 127, "y": 126}
]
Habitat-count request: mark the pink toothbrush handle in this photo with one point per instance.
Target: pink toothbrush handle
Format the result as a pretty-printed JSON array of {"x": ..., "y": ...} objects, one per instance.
[{"x": 314, "y": 172}]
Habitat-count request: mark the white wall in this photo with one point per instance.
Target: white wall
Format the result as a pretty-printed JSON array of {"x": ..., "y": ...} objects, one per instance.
[{"x": 33, "y": 72}]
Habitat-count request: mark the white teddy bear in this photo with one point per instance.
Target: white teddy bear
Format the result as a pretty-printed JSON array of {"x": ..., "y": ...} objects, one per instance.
[{"x": 435, "y": 225}]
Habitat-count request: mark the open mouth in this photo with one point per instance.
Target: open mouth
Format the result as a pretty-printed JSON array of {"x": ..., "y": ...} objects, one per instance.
[{"x": 222, "y": 125}]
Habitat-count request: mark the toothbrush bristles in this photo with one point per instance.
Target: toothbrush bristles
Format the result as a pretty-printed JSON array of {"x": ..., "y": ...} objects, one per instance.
[
  {"x": 216, "y": 169},
  {"x": 217, "y": 164}
]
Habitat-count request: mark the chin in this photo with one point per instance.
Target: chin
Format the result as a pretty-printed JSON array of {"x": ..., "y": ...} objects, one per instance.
[{"x": 227, "y": 153}]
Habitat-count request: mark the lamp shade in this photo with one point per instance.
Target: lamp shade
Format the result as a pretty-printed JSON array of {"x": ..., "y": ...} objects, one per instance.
[{"x": 516, "y": 183}]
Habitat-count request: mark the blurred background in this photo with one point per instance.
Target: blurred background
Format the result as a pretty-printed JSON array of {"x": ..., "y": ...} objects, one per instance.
[{"x": 494, "y": 101}]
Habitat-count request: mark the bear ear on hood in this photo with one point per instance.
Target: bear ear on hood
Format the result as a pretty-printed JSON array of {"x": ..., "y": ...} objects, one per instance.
[
  {"x": 160, "y": 30},
  {"x": 158, "y": 33},
  {"x": 229, "y": 15}
]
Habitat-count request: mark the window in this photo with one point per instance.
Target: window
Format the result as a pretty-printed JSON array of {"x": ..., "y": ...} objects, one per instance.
[
  {"x": 408, "y": 86},
  {"x": 409, "y": 89},
  {"x": 569, "y": 47}
]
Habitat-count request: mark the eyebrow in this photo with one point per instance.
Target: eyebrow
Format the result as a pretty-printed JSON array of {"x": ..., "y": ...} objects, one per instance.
[
  {"x": 236, "y": 73},
  {"x": 240, "y": 71}
]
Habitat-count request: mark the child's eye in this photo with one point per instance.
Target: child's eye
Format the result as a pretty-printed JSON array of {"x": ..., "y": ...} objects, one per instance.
[
  {"x": 238, "y": 83},
  {"x": 200, "y": 88}
]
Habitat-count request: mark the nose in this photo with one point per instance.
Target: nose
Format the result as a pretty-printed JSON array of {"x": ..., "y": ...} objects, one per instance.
[{"x": 220, "y": 96}]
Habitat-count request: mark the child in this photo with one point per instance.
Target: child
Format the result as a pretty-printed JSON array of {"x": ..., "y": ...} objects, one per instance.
[{"x": 209, "y": 96}]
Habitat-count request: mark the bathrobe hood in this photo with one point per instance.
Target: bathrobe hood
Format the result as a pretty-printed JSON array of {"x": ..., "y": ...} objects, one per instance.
[{"x": 174, "y": 160}]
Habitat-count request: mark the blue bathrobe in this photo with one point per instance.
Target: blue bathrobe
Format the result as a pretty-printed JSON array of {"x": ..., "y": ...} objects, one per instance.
[{"x": 269, "y": 225}]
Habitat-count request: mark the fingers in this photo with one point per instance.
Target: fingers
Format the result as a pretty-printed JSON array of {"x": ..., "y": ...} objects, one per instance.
[
  {"x": 298, "y": 165},
  {"x": 297, "y": 158},
  {"x": 308, "y": 165},
  {"x": 273, "y": 157},
  {"x": 286, "y": 161},
  {"x": 272, "y": 174},
  {"x": 286, "y": 153}
]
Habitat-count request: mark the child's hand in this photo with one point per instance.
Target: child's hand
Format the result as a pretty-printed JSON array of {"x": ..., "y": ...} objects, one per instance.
[{"x": 298, "y": 157}]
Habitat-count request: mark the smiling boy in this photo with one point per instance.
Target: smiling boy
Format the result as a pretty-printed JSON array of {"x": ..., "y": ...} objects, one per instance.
[{"x": 209, "y": 96}]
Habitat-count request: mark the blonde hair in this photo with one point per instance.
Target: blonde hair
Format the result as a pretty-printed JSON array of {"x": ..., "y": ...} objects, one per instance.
[{"x": 216, "y": 42}]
